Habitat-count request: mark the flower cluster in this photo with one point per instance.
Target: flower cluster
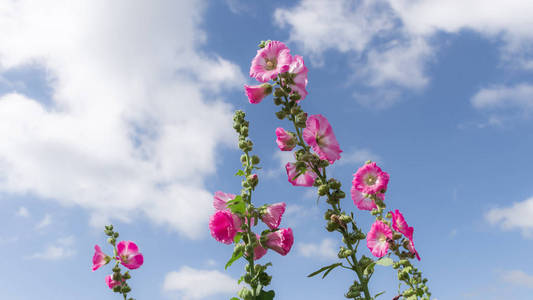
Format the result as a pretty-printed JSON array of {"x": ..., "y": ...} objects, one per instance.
[
  {"x": 125, "y": 253},
  {"x": 316, "y": 147},
  {"x": 235, "y": 217}
]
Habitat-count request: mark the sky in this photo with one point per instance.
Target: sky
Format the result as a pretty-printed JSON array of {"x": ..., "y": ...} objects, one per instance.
[{"x": 120, "y": 112}]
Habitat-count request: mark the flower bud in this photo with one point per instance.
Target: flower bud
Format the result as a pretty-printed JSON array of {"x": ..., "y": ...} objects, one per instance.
[
  {"x": 111, "y": 241},
  {"x": 339, "y": 194},
  {"x": 278, "y": 100},
  {"x": 331, "y": 226},
  {"x": 252, "y": 180},
  {"x": 323, "y": 163},
  {"x": 280, "y": 114},
  {"x": 244, "y": 130},
  {"x": 345, "y": 219},
  {"x": 334, "y": 184},
  {"x": 323, "y": 190},
  {"x": 278, "y": 92},
  {"x": 328, "y": 214},
  {"x": 255, "y": 160},
  {"x": 296, "y": 110},
  {"x": 295, "y": 97}
]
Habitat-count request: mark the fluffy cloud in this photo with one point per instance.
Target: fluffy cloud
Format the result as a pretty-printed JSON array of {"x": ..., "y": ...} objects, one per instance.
[
  {"x": 519, "y": 97},
  {"x": 517, "y": 216},
  {"x": 22, "y": 212},
  {"x": 518, "y": 277},
  {"x": 61, "y": 249},
  {"x": 358, "y": 157},
  {"x": 191, "y": 283},
  {"x": 326, "y": 249},
  {"x": 133, "y": 122}
]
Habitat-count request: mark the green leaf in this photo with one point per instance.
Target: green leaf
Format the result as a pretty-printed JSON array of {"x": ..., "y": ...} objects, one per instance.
[
  {"x": 266, "y": 295},
  {"x": 234, "y": 298},
  {"x": 324, "y": 269},
  {"x": 258, "y": 289},
  {"x": 240, "y": 280},
  {"x": 239, "y": 173},
  {"x": 385, "y": 261},
  {"x": 236, "y": 199},
  {"x": 236, "y": 255},
  {"x": 379, "y": 294},
  {"x": 369, "y": 269},
  {"x": 237, "y": 237},
  {"x": 237, "y": 205}
]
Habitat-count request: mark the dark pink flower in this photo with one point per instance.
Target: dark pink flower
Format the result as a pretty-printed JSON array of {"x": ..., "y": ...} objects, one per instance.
[
  {"x": 377, "y": 239},
  {"x": 272, "y": 215},
  {"x": 411, "y": 245},
  {"x": 129, "y": 255},
  {"x": 99, "y": 258},
  {"x": 399, "y": 224},
  {"x": 280, "y": 240},
  {"x": 299, "y": 178},
  {"x": 364, "y": 202},
  {"x": 256, "y": 93},
  {"x": 270, "y": 61},
  {"x": 112, "y": 283},
  {"x": 369, "y": 179},
  {"x": 224, "y": 226},
  {"x": 319, "y": 135},
  {"x": 299, "y": 71},
  {"x": 220, "y": 199},
  {"x": 259, "y": 251},
  {"x": 285, "y": 140}
]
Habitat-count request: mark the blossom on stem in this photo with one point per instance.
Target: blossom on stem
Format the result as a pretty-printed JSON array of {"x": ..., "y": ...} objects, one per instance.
[
  {"x": 280, "y": 240},
  {"x": 256, "y": 93},
  {"x": 220, "y": 199},
  {"x": 224, "y": 226},
  {"x": 299, "y": 178},
  {"x": 99, "y": 258},
  {"x": 112, "y": 283},
  {"x": 411, "y": 245},
  {"x": 259, "y": 251},
  {"x": 370, "y": 179},
  {"x": 399, "y": 224},
  {"x": 129, "y": 255},
  {"x": 270, "y": 61},
  {"x": 298, "y": 72},
  {"x": 319, "y": 135},
  {"x": 377, "y": 239},
  {"x": 272, "y": 215},
  {"x": 285, "y": 140},
  {"x": 364, "y": 201}
]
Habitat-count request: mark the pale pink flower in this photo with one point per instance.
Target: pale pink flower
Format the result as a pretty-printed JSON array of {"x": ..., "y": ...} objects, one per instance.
[
  {"x": 411, "y": 245},
  {"x": 364, "y": 202},
  {"x": 285, "y": 140},
  {"x": 272, "y": 215},
  {"x": 224, "y": 226},
  {"x": 256, "y": 93},
  {"x": 220, "y": 199},
  {"x": 280, "y": 240},
  {"x": 377, "y": 238},
  {"x": 129, "y": 255},
  {"x": 399, "y": 224},
  {"x": 299, "y": 78},
  {"x": 99, "y": 258},
  {"x": 369, "y": 179},
  {"x": 270, "y": 61},
  {"x": 319, "y": 135},
  {"x": 112, "y": 283},
  {"x": 297, "y": 178}
]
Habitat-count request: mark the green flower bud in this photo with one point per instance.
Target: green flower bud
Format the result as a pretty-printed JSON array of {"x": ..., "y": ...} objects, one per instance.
[
  {"x": 244, "y": 131},
  {"x": 323, "y": 163},
  {"x": 296, "y": 110},
  {"x": 111, "y": 241},
  {"x": 334, "y": 184},
  {"x": 278, "y": 92},
  {"x": 328, "y": 214},
  {"x": 243, "y": 158},
  {"x": 117, "y": 289},
  {"x": 345, "y": 219},
  {"x": 397, "y": 236},
  {"x": 278, "y": 100},
  {"x": 126, "y": 289},
  {"x": 339, "y": 194},
  {"x": 255, "y": 160},
  {"x": 323, "y": 190},
  {"x": 252, "y": 180},
  {"x": 331, "y": 226},
  {"x": 280, "y": 114},
  {"x": 295, "y": 97}
]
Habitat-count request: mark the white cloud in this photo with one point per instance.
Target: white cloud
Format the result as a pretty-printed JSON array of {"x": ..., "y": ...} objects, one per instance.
[
  {"x": 61, "y": 249},
  {"x": 191, "y": 284},
  {"x": 129, "y": 129},
  {"x": 359, "y": 157},
  {"x": 519, "y": 97},
  {"x": 45, "y": 222},
  {"x": 518, "y": 277},
  {"x": 281, "y": 158},
  {"x": 22, "y": 212},
  {"x": 326, "y": 249},
  {"x": 517, "y": 216}
]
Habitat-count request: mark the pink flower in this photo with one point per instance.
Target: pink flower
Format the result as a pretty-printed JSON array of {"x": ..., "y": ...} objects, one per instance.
[
  {"x": 364, "y": 202},
  {"x": 300, "y": 179},
  {"x": 285, "y": 140},
  {"x": 112, "y": 283},
  {"x": 259, "y": 251},
  {"x": 411, "y": 245},
  {"x": 270, "y": 61},
  {"x": 272, "y": 215},
  {"x": 299, "y": 70},
  {"x": 99, "y": 258},
  {"x": 129, "y": 255},
  {"x": 220, "y": 200},
  {"x": 369, "y": 179},
  {"x": 280, "y": 241},
  {"x": 399, "y": 224},
  {"x": 224, "y": 226},
  {"x": 377, "y": 239},
  {"x": 319, "y": 135},
  {"x": 256, "y": 93}
]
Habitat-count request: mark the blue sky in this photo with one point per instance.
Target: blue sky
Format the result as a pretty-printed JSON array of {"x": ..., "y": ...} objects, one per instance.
[{"x": 122, "y": 113}]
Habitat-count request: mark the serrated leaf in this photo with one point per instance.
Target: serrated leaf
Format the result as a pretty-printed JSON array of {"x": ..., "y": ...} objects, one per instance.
[
  {"x": 324, "y": 269},
  {"x": 266, "y": 295},
  {"x": 236, "y": 255},
  {"x": 237, "y": 237},
  {"x": 239, "y": 173},
  {"x": 237, "y": 207},
  {"x": 385, "y": 261}
]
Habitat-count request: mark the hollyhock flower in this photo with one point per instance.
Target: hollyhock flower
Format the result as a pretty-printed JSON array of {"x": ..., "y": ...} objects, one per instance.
[
  {"x": 220, "y": 200},
  {"x": 99, "y": 258},
  {"x": 256, "y": 93},
  {"x": 112, "y": 283},
  {"x": 270, "y": 61},
  {"x": 369, "y": 179},
  {"x": 399, "y": 224},
  {"x": 299, "y": 179},
  {"x": 280, "y": 240},
  {"x": 129, "y": 255},
  {"x": 411, "y": 245},
  {"x": 272, "y": 215},
  {"x": 259, "y": 251},
  {"x": 286, "y": 140},
  {"x": 299, "y": 77},
  {"x": 362, "y": 202},
  {"x": 377, "y": 239},
  {"x": 224, "y": 226},
  {"x": 319, "y": 135}
]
